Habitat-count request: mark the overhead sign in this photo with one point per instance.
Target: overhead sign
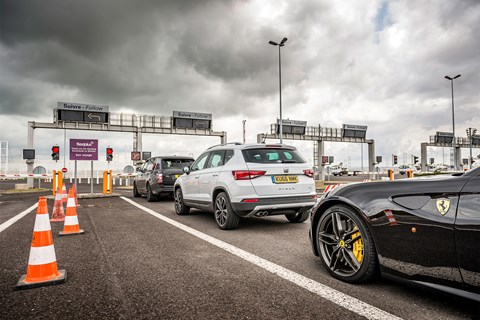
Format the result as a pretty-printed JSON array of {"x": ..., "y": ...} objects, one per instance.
[
  {"x": 292, "y": 126},
  {"x": 81, "y": 107},
  {"x": 192, "y": 120},
  {"x": 79, "y": 112},
  {"x": 444, "y": 137},
  {"x": 354, "y": 131},
  {"x": 83, "y": 149}
]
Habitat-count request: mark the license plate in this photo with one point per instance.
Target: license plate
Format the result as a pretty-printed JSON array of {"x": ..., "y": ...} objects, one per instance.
[
  {"x": 285, "y": 179},
  {"x": 177, "y": 175}
]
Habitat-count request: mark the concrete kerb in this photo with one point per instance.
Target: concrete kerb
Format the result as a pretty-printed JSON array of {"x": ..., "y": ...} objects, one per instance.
[{"x": 92, "y": 195}]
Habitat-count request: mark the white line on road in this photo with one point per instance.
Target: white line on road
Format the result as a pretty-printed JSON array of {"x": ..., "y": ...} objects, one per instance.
[
  {"x": 19, "y": 216},
  {"x": 353, "y": 304}
]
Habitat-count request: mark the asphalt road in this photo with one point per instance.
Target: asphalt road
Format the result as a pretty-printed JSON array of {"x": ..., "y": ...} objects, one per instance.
[{"x": 131, "y": 264}]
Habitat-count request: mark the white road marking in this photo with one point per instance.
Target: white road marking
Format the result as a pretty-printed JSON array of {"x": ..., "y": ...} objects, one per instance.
[
  {"x": 19, "y": 216},
  {"x": 350, "y": 303}
]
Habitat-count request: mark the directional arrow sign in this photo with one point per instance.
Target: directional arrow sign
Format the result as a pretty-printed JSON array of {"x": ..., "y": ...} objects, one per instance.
[{"x": 95, "y": 117}]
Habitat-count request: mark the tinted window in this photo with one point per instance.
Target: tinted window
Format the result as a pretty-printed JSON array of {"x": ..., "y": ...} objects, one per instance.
[
  {"x": 176, "y": 163},
  {"x": 216, "y": 159},
  {"x": 265, "y": 155},
  {"x": 200, "y": 163}
]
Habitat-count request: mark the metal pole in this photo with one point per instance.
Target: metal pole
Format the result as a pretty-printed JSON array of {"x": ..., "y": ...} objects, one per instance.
[
  {"x": 91, "y": 177},
  {"x": 244, "y": 130},
  {"x": 75, "y": 178},
  {"x": 453, "y": 125},
  {"x": 280, "y": 90}
]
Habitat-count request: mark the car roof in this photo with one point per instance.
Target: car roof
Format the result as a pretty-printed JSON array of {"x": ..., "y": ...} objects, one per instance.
[
  {"x": 245, "y": 146},
  {"x": 172, "y": 157}
]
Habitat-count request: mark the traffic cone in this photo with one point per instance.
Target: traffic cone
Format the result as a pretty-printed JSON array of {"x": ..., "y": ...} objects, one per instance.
[
  {"x": 71, "y": 220},
  {"x": 64, "y": 194},
  {"x": 42, "y": 263},
  {"x": 58, "y": 213},
  {"x": 75, "y": 194}
]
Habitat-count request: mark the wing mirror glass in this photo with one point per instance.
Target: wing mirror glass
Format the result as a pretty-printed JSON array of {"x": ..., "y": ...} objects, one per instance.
[{"x": 186, "y": 170}]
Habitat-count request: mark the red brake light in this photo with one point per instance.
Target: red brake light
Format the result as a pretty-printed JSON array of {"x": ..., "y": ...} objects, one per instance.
[
  {"x": 247, "y": 174},
  {"x": 160, "y": 178},
  {"x": 250, "y": 200},
  {"x": 308, "y": 172}
]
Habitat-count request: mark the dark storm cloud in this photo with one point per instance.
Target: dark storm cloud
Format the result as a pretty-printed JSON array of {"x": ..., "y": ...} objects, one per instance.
[{"x": 111, "y": 51}]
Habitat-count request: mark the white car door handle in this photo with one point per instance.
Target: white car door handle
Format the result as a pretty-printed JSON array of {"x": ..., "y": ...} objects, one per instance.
[
  {"x": 197, "y": 177},
  {"x": 215, "y": 175}
]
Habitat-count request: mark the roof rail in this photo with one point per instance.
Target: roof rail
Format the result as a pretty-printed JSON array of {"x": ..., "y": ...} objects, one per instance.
[{"x": 224, "y": 144}]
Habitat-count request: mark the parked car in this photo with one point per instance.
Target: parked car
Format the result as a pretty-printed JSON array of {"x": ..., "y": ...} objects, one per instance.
[
  {"x": 402, "y": 169},
  {"x": 426, "y": 231},
  {"x": 247, "y": 180},
  {"x": 157, "y": 175}
]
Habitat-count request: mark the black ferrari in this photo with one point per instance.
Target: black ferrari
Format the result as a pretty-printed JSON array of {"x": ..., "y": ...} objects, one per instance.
[{"x": 426, "y": 231}]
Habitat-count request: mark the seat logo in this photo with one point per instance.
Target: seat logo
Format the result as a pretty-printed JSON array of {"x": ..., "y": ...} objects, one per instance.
[
  {"x": 285, "y": 170},
  {"x": 443, "y": 205}
]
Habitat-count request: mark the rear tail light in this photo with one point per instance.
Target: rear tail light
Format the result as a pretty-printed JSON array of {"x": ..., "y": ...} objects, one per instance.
[
  {"x": 160, "y": 178},
  {"x": 247, "y": 174},
  {"x": 308, "y": 172},
  {"x": 250, "y": 200}
]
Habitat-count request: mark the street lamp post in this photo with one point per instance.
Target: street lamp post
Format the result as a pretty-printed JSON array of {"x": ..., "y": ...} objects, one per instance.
[
  {"x": 281, "y": 44},
  {"x": 453, "y": 123}
]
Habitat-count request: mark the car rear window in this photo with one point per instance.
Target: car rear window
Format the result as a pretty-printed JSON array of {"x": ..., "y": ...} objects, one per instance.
[
  {"x": 270, "y": 155},
  {"x": 176, "y": 163}
]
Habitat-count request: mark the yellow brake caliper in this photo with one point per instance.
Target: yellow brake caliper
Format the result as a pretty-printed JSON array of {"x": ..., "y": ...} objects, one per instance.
[{"x": 357, "y": 246}]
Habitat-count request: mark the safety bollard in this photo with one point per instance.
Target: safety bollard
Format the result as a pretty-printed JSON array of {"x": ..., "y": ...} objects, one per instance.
[
  {"x": 107, "y": 182},
  {"x": 409, "y": 173},
  {"x": 57, "y": 181},
  {"x": 391, "y": 174}
]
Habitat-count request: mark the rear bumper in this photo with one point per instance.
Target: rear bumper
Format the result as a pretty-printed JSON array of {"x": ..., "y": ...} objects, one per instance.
[
  {"x": 274, "y": 206},
  {"x": 157, "y": 189}
]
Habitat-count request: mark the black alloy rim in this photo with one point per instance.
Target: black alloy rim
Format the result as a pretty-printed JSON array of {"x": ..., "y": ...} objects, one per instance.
[{"x": 341, "y": 244}]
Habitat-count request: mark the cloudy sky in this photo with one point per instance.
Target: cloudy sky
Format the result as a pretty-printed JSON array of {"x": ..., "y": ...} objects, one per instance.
[{"x": 379, "y": 63}]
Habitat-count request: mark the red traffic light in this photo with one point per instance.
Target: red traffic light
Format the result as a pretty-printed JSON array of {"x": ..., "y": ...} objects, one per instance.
[
  {"x": 109, "y": 151},
  {"x": 55, "y": 149}
]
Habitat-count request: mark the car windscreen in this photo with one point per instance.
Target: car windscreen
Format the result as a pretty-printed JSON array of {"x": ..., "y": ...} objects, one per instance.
[
  {"x": 176, "y": 163},
  {"x": 271, "y": 155}
]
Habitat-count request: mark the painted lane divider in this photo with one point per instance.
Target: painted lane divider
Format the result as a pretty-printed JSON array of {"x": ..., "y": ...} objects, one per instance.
[
  {"x": 341, "y": 299},
  {"x": 19, "y": 216}
]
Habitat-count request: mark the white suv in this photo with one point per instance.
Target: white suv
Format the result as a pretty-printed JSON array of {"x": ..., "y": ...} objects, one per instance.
[{"x": 243, "y": 180}]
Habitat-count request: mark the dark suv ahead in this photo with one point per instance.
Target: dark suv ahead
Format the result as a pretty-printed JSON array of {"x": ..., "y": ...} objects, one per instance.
[{"x": 157, "y": 175}]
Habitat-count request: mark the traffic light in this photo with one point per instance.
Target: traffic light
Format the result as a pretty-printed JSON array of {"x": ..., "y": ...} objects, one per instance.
[
  {"x": 415, "y": 159},
  {"x": 395, "y": 159},
  {"x": 56, "y": 153},
  {"x": 109, "y": 154}
]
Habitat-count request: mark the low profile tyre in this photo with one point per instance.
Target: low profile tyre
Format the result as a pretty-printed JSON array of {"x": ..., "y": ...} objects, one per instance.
[
  {"x": 151, "y": 197},
  {"x": 136, "y": 194},
  {"x": 298, "y": 217},
  {"x": 180, "y": 207},
  {"x": 224, "y": 216},
  {"x": 346, "y": 246}
]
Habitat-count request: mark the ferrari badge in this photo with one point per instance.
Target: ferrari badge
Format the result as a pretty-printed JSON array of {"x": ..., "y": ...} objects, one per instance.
[{"x": 443, "y": 205}]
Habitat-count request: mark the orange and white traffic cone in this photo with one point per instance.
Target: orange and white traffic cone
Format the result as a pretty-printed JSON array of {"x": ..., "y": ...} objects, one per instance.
[
  {"x": 75, "y": 194},
  {"x": 64, "y": 194},
  {"x": 42, "y": 267},
  {"x": 71, "y": 220},
  {"x": 58, "y": 214}
]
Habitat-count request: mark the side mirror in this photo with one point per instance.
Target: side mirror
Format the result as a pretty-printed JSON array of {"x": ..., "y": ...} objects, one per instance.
[{"x": 186, "y": 170}]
